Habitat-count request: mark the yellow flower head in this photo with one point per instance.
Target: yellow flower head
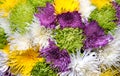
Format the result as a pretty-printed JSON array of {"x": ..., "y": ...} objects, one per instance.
[
  {"x": 109, "y": 73},
  {"x": 100, "y": 3},
  {"x": 63, "y": 6},
  {"x": 23, "y": 62},
  {"x": 7, "y": 5}
]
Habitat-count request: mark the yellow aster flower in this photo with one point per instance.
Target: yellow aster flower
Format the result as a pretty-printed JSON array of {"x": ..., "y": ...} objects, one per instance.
[
  {"x": 100, "y": 3},
  {"x": 7, "y": 5},
  {"x": 23, "y": 62},
  {"x": 63, "y": 6},
  {"x": 110, "y": 73}
]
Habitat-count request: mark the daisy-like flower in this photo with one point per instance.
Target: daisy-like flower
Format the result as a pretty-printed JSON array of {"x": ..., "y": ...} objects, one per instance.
[
  {"x": 39, "y": 34},
  {"x": 86, "y": 8},
  {"x": 64, "y": 6},
  {"x": 23, "y": 62},
  {"x": 83, "y": 65},
  {"x": 7, "y": 5},
  {"x": 19, "y": 42},
  {"x": 95, "y": 36},
  {"x": 110, "y": 55},
  {"x": 100, "y": 3},
  {"x": 70, "y": 19},
  {"x": 46, "y": 16},
  {"x": 59, "y": 59},
  {"x": 21, "y": 16}
]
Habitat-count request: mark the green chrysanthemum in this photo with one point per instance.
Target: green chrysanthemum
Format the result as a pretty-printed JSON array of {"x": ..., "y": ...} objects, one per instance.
[
  {"x": 42, "y": 69},
  {"x": 40, "y": 3},
  {"x": 105, "y": 17},
  {"x": 118, "y": 1},
  {"x": 3, "y": 38},
  {"x": 21, "y": 16},
  {"x": 69, "y": 39}
]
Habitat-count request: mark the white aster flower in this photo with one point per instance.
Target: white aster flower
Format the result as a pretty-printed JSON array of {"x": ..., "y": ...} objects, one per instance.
[
  {"x": 40, "y": 35},
  {"x": 110, "y": 55},
  {"x": 86, "y": 8},
  {"x": 3, "y": 60},
  {"x": 83, "y": 65},
  {"x": 20, "y": 42}
]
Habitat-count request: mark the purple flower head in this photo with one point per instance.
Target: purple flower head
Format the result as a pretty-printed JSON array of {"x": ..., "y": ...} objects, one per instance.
[
  {"x": 46, "y": 16},
  {"x": 70, "y": 19},
  {"x": 117, "y": 7},
  {"x": 95, "y": 36},
  {"x": 59, "y": 59}
]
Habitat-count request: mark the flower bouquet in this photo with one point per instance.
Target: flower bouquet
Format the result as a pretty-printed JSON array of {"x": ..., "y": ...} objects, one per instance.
[{"x": 59, "y": 38}]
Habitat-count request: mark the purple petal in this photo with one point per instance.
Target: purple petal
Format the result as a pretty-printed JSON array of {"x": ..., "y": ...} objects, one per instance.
[
  {"x": 59, "y": 59},
  {"x": 70, "y": 20},
  {"x": 46, "y": 16}
]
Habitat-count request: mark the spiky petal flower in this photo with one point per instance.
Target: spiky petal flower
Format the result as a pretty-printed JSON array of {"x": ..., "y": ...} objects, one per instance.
[
  {"x": 23, "y": 62},
  {"x": 86, "y": 8},
  {"x": 64, "y": 6},
  {"x": 19, "y": 42},
  {"x": 69, "y": 39},
  {"x": 70, "y": 19},
  {"x": 59, "y": 59},
  {"x": 46, "y": 16},
  {"x": 21, "y": 16},
  {"x": 110, "y": 55},
  {"x": 83, "y": 65},
  {"x": 95, "y": 36},
  {"x": 39, "y": 34}
]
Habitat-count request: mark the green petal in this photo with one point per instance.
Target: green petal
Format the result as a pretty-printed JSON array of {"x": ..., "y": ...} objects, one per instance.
[{"x": 21, "y": 16}]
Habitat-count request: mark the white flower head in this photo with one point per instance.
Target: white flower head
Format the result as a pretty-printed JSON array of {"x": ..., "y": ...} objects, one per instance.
[
  {"x": 40, "y": 35},
  {"x": 83, "y": 65},
  {"x": 86, "y": 8},
  {"x": 110, "y": 55},
  {"x": 20, "y": 42},
  {"x": 3, "y": 60}
]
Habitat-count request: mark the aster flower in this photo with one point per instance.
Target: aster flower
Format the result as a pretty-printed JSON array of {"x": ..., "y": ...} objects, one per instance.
[
  {"x": 7, "y": 5},
  {"x": 95, "y": 36},
  {"x": 110, "y": 54},
  {"x": 39, "y": 34},
  {"x": 69, "y": 39},
  {"x": 117, "y": 7},
  {"x": 42, "y": 69},
  {"x": 83, "y": 65},
  {"x": 46, "y": 16},
  {"x": 59, "y": 59},
  {"x": 64, "y": 6},
  {"x": 86, "y": 8},
  {"x": 21, "y": 16},
  {"x": 105, "y": 17},
  {"x": 70, "y": 19},
  {"x": 19, "y": 42},
  {"x": 100, "y": 3},
  {"x": 23, "y": 62}
]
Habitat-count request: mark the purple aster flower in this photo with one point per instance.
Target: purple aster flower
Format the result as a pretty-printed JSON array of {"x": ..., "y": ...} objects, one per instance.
[
  {"x": 6, "y": 73},
  {"x": 59, "y": 59},
  {"x": 95, "y": 36},
  {"x": 70, "y": 19},
  {"x": 117, "y": 7},
  {"x": 46, "y": 16}
]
